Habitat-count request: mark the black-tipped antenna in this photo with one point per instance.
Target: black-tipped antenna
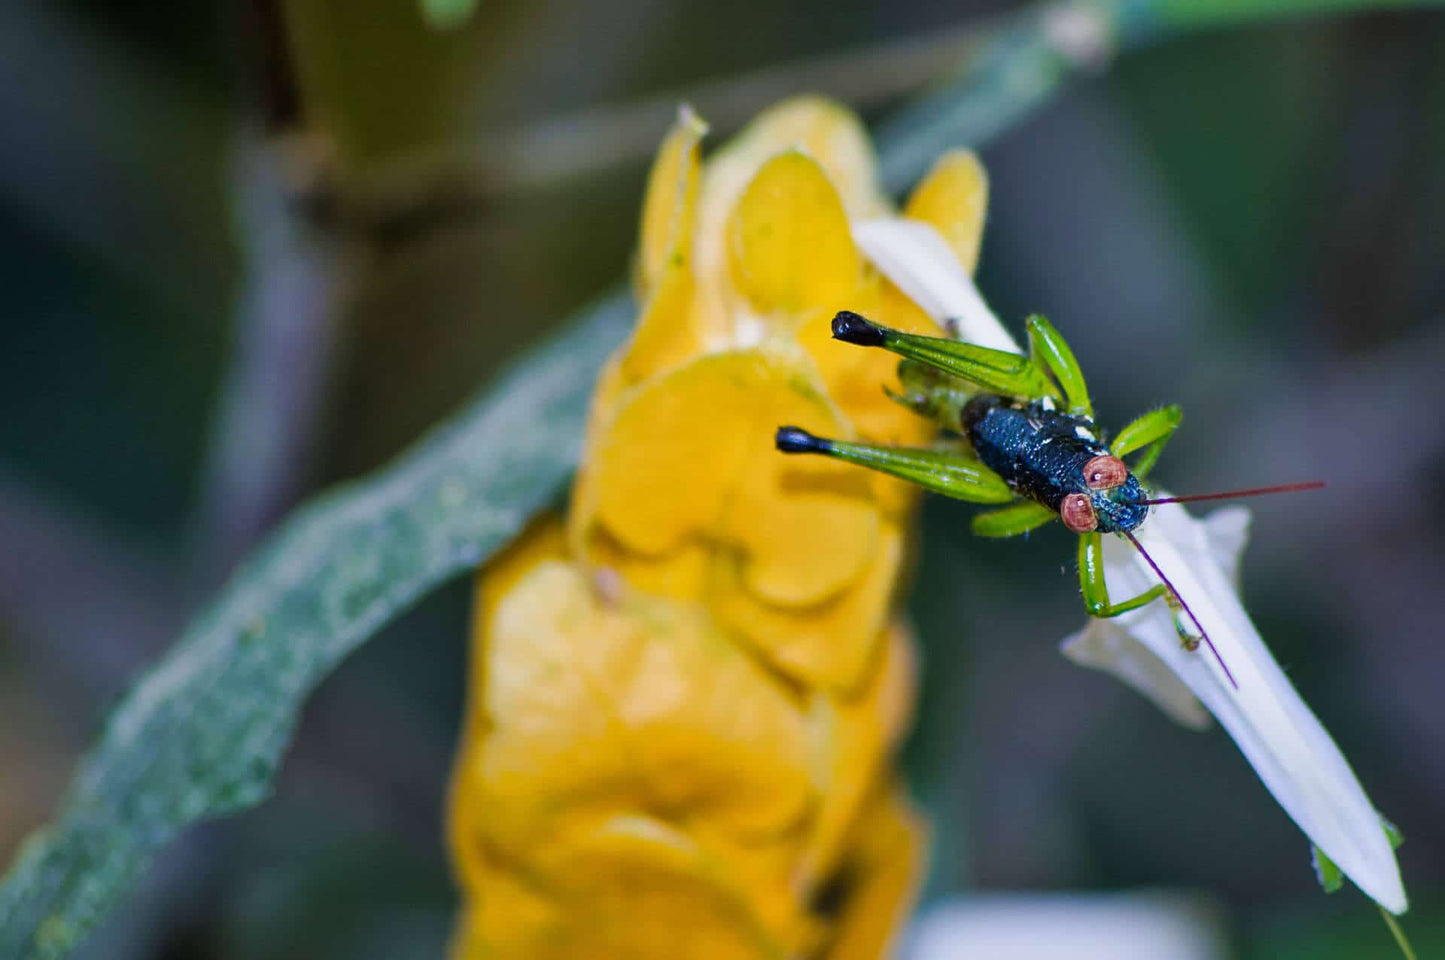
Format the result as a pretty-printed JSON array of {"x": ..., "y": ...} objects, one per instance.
[
  {"x": 1203, "y": 634},
  {"x": 1234, "y": 494}
]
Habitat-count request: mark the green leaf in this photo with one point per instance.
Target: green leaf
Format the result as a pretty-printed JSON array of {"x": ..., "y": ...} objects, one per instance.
[
  {"x": 447, "y": 14},
  {"x": 1393, "y": 832},
  {"x": 1331, "y": 877},
  {"x": 203, "y": 732}
]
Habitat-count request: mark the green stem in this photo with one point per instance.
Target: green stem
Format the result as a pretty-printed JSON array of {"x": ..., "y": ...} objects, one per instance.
[
  {"x": 1398, "y": 932},
  {"x": 1197, "y": 14},
  {"x": 1025, "y": 62}
]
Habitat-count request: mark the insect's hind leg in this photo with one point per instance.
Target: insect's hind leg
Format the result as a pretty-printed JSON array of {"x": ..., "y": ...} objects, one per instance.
[
  {"x": 1149, "y": 432},
  {"x": 942, "y": 471},
  {"x": 1096, "y": 590},
  {"x": 1048, "y": 345},
  {"x": 998, "y": 371},
  {"x": 1012, "y": 521}
]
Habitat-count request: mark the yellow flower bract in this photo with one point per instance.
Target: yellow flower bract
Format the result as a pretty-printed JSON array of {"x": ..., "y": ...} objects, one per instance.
[{"x": 685, "y": 697}]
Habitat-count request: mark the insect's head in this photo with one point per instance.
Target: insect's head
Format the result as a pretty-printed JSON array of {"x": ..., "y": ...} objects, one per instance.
[{"x": 1109, "y": 500}]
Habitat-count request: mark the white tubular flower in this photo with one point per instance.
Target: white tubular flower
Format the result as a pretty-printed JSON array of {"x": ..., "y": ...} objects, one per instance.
[{"x": 1289, "y": 749}]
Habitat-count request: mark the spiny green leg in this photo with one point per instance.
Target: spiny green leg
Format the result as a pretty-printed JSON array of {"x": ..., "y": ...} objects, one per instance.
[
  {"x": 1096, "y": 591},
  {"x": 1151, "y": 432},
  {"x": 999, "y": 371},
  {"x": 1012, "y": 521},
  {"x": 951, "y": 474},
  {"x": 1048, "y": 345}
]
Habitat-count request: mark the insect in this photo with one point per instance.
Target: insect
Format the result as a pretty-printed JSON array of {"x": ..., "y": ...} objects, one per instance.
[{"x": 1032, "y": 448}]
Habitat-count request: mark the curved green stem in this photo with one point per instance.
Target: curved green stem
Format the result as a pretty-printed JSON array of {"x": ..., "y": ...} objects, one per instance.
[{"x": 1024, "y": 63}]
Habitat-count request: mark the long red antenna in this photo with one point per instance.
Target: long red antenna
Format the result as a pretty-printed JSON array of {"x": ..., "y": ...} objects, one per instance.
[
  {"x": 1234, "y": 494},
  {"x": 1183, "y": 603}
]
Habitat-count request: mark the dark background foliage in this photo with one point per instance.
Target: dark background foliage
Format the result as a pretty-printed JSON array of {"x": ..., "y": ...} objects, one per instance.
[{"x": 248, "y": 251}]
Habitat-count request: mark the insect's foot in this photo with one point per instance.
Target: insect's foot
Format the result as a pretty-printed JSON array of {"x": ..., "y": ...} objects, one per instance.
[
  {"x": 851, "y": 327},
  {"x": 798, "y": 440},
  {"x": 1189, "y": 643}
]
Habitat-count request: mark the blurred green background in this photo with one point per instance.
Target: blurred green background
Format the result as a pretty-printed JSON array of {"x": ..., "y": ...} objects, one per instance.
[{"x": 251, "y": 250}]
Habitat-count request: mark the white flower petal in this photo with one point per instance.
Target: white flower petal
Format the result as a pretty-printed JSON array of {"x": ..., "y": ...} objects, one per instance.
[
  {"x": 1281, "y": 738},
  {"x": 921, "y": 263},
  {"x": 1227, "y": 530},
  {"x": 1277, "y": 733},
  {"x": 1108, "y": 645},
  {"x": 1076, "y": 924}
]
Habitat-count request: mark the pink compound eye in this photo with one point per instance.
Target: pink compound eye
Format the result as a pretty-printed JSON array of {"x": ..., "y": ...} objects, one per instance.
[
  {"x": 1078, "y": 513},
  {"x": 1105, "y": 473}
]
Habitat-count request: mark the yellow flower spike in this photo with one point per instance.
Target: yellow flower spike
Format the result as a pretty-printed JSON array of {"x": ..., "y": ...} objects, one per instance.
[
  {"x": 603, "y": 895},
  {"x": 542, "y": 541},
  {"x": 855, "y": 381},
  {"x": 643, "y": 483},
  {"x": 855, "y": 378},
  {"x": 684, "y": 704},
  {"x": 825, "y": 131},
  {"x": 601, "y": 705},
  {"x": 953, "y": 198},
  {"x": 682, "y": 573},
  {"x": 633, "y": 870},
  {"x": 667, "y": 211},
  {"x": 803, "y": 534},
  {"x": 887, "y": 859},
  {"x": 515, "y": 919},
  {"x": 789, "y": 240},
  {"x": 830, "y": 645},
  {"x": 852, "y": 739},
  {"x": 665, "y": 334}
]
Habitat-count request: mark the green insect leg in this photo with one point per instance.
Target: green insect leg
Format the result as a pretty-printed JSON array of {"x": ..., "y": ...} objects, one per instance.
[
  {"x": 1012, "y": 521},
  {"x": 942, "y": 471},
  {"x": 1149, "y": 432},
  {"x": 1187, "y": 639},
  {"x": 1048, "y": 345},
  {"x": 931, "y": 393},
  {"x": 1096, "y": 591},
  {"x": 998, "y": 371}
]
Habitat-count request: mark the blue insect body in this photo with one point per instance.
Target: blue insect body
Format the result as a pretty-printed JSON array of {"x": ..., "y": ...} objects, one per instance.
[{"x": 1044, "y": 455}]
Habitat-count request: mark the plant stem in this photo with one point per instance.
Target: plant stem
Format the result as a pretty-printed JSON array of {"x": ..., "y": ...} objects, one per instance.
[
  {"x": 1398, "y": 933},
  {"x": 1026, "y": 62},
  {"x": 997, "y": 72}
]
